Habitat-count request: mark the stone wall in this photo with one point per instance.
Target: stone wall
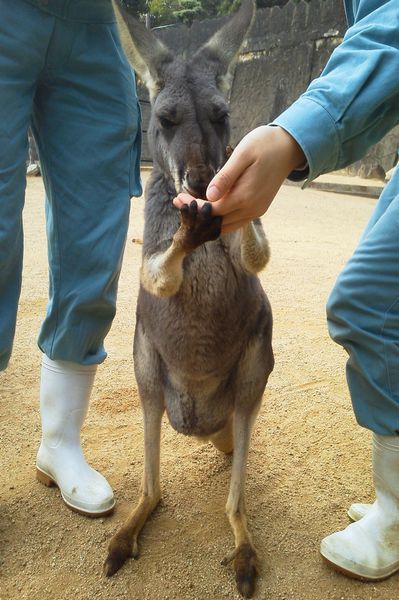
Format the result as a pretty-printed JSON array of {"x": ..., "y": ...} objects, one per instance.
[{"x": 287, "y": 47}]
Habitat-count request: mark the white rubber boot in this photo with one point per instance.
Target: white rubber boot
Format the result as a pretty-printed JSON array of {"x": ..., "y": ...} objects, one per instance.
[
  {"x": 358, "y": 510},
  {"x": 369, "y": 548},
  {"x": 65, "y": 389}
]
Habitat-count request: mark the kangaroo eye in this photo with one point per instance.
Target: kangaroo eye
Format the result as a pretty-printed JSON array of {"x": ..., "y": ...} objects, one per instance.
[{"x": 166, "y": 123}]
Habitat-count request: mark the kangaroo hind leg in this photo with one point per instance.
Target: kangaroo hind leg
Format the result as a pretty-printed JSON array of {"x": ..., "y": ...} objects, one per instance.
[
  {"x": 124, "y": 544},
  {"x": 244, "y": 553},
  {"x": 252, "y": 376}
]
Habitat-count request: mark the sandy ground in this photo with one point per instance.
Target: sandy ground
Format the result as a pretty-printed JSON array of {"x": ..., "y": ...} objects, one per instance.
[{"x": 308, "y": 460}]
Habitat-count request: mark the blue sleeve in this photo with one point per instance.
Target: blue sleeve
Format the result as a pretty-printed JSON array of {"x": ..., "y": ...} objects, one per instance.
[{"x": 355, "y": 101}]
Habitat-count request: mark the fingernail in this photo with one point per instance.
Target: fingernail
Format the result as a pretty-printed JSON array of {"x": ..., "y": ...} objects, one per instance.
[{"x": 213, "y": 193}]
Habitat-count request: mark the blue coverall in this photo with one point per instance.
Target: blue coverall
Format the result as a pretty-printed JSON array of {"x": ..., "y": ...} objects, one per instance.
[
  {"x": 335, "y": 122},
  {"x": 62, "y": 70}
]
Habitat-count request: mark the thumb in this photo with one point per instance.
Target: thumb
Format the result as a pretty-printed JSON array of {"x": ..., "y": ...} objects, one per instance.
[{"x": 226, "y": 178}]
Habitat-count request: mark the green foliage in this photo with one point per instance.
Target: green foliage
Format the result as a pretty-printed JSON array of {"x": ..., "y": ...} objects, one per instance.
[
  {"x": 226, "y": 6},
  {"x": 138, "y": 7},
  {"x": 186, "y": 11},
  {"x": 161, "y": 12}
]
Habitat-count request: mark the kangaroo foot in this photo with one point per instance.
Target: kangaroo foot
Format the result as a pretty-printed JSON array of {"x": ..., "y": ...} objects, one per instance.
[
  {"x": 245, "y": 566},
  {"x": 197, "y": 226},
  {"x": 124, "y": 543},
  {"x": 121, "y": 547}
]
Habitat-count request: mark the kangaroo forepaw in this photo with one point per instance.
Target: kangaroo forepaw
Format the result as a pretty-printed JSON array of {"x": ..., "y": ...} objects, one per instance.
[
  {"x": 245, "y": 566},
  {"x": 119, "y": 551},
  {"x": 198, "y": 225}
]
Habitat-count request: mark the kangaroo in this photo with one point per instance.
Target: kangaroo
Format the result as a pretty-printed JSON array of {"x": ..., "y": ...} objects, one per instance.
[{"x": 202, "y": 346}]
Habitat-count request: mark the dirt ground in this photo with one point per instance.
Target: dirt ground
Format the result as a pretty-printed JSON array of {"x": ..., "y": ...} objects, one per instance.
[{"x": 308, "y": 461}]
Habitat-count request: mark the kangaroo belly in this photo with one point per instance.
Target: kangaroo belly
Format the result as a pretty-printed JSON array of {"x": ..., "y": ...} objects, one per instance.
[{"x": 197, "y": 415}]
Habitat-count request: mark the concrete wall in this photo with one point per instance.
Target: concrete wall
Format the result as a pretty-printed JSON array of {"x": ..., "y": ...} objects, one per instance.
[{"x": 287, "y": 47}]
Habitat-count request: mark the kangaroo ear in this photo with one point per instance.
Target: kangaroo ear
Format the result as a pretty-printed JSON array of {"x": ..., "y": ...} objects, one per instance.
[
  {"x": 223, "y": 48},
  {"x": 144, "y": 50}
]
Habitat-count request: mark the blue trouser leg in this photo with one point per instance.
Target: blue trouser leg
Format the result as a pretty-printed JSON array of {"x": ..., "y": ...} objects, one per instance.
[
  {"x": 363, "y": 316},
  {"x": 21, "y": 60},
  {"x": 86, "y": 122}
]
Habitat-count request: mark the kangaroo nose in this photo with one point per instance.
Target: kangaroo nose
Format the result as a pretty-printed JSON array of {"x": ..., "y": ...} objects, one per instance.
[{"x": 197, "y": 181}]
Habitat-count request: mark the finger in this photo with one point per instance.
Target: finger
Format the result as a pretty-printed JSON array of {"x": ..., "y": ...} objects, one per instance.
[
  {"x": 184, "y": 198},
  {"x": 225, "y": 179},
  {"x": 243, "y": 196},
  {"x": 177, "y": 202},
  {"x": 242, "y": 199},
  {"x": 237, "y": 219}
]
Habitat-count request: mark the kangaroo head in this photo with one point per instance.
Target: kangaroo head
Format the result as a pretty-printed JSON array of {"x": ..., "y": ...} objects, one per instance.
[{"x": 189, "y": 126}]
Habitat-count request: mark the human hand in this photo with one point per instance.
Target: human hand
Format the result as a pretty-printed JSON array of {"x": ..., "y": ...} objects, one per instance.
[{"x": 245, "y": 187}]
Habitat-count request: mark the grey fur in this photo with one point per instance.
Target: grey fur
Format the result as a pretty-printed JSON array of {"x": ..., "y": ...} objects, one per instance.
[{"x": 202, "y": 347}]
